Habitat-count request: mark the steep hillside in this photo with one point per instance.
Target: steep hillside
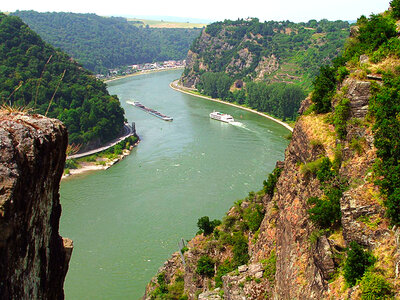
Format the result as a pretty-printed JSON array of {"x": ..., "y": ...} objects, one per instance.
[
  {"x": 330, "y": 212},
  {"x": 269, "y": 51},
  {"x": 101, "y": 43},
  {"x": 34, "y": 74},
  {"x": 268, "y": 66}
]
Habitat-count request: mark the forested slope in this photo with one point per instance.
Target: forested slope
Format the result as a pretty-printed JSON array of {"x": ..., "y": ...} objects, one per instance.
[
  {"x": 33, "y": 74},
  {"x": 268, "y": 66},
  {"x": 100, "y": 43}
]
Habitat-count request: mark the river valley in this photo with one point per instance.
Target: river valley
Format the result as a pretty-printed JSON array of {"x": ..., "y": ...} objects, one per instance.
[{"x": 127, "y": 220}]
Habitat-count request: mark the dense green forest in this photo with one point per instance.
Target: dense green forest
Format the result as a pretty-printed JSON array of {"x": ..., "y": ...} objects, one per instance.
[
  {"x": 33, "y": 74},
  {"x": 278, "y": 99},
  {"x": 278, "y": 56},
  {"x": 101, "y": 43},
  {"x": 377, "y": 39}
]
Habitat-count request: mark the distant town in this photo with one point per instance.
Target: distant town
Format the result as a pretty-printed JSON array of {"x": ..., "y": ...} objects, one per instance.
[{"x": 132, "y": 69}]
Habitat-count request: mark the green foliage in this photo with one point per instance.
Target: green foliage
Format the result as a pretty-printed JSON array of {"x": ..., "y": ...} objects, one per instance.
[
  {"x": 253, "y": 216},
  {"x": 374, "y": 287},
  {"x": 303, "y": 50},
  {"x": 325, "y": 212},
  {"x": 270, "y": 266},
  {"x": 109, "y": 42},
  {"x": 279, "y": 99},
  {"x": 80, "y": 101},
  {"x": 325, "y": 171},
  {"x": 205, "y": 266},
  {"x": 357, "y": 263},
  {"x": 395, "y": 5},
  {"x": 223, "y": 269},
  {"x": 324, "y": 89},
  {"x": 311, "y": 168},
  {"x": 215, "y": 85},
  {"x": 385, "y": 108},
  {"x": 342, "y": 113},
  {"x": 174, "y": 291},
  {"x": 240, "y": 249},
  {"x": 71, "y": 164},
  {"x": 205, "y": 226}
]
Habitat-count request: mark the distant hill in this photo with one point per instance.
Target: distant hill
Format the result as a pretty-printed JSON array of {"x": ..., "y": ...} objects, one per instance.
[
  {"x": 34, "y": 74},
  {"x": 269, "y": 51},
  {"x": 164, "y": 23},
  {"x": 268, "y": 66},
  {"x": 101, "y": 43}
]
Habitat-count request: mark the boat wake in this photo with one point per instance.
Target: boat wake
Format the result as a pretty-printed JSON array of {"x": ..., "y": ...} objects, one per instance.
[{"x": 241, "y": 125}]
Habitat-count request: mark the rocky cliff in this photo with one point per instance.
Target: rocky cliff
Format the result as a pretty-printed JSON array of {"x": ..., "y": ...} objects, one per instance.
[
  {"x": 290, "y": 256},
  {"x": 326, "y": 224},
  {"x": 271, "y": 51},
  {"x": 33, "y": 256}
]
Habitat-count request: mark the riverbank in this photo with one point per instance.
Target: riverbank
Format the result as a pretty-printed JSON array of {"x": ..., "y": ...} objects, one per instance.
[
  {"x": 175, "y": 85},
  {"x": 98, "y": 163},
  {"x": 142, "y": 73}
]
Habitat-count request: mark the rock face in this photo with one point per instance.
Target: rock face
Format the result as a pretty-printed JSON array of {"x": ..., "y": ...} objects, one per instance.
[
  {"x": 291, "y": 257},
  {"x": 33, "y": 256}
]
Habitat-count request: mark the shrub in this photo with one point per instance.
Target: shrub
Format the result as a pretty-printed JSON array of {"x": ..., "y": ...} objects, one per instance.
[
  {"x": 205, "y": 266},
  {"x": 395, "y": 5},
  {"x": 223, "y": 269},
  {"x": 325, "y": 171},
  {"x": 325, "y": 212},
  {"x": 342, "y": 113},
  {"x": 375, "y": 287},
  {"x": 269, "y": 185},
  {"x": 270, "y": 266},
  {"x": 205, "y": 226},
  {"x": 240, "y": 249},
  {"x": 253, "y": 216},
  {"x": 357, "y": 262},
  {"x": 71, "y": 164},
  {"x": 324, "y": 89}
]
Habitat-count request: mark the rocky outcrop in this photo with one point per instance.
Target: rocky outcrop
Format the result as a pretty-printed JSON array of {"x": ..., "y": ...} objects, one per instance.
[{"x": 33, "y": 256}]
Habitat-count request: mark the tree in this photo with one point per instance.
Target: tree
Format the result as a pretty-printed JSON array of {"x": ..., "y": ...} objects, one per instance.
[
  {"x": 357, "y": 262},
  {"x": 205, "y": 226}
]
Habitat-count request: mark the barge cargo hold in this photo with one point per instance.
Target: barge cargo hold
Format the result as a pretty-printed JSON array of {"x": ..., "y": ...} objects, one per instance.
[{"x": 149, "y": 110}]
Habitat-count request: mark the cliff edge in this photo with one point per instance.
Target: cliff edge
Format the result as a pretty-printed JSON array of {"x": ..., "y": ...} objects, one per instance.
[{"x": 33, "y": 256}]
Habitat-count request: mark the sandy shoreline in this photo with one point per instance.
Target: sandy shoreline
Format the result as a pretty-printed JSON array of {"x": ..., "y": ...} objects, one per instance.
[
  {"x": 86, "y": 167},
  {"x": 142, "y": 73},
  {"x": 174, "y": 85}
]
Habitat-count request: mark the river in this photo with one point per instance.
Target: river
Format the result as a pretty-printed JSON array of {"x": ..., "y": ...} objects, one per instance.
[{"x": 127, "y": 220}]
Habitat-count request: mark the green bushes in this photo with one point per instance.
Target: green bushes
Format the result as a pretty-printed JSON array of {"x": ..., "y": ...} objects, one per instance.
[
  {"x": 342, "y": 113},
  {"x": 71, "y": 164},
  {"x": 324, "y": 89},
  {"x": 223, "y": 269},
  {"x": 374, "y": 287},
  {"x": 173, "y": 291},
  {"x": 205, "y": 266},
  {"x": 240, "y": 249},
  {"x": 269, "y": 265},
  {"x": 205, "y": 226},
  {"x": 325, "y": 211},
  {"x": 385, "y": 108},
  {"x": 357, "y": 263},
  {"x": 270, "y": 183}
]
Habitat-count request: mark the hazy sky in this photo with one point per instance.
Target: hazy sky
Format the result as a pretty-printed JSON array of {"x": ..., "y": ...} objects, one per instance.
[{"x": 293, "y": 10}]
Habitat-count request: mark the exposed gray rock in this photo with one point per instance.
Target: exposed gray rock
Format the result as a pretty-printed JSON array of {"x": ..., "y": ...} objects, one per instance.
[{"x": 33, "y": 256}]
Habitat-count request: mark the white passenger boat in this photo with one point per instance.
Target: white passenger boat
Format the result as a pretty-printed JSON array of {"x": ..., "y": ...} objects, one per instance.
[{"x": 216, "y": 115}]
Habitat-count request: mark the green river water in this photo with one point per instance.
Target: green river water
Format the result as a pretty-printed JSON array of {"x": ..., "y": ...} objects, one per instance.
[{"x": 127, "y": 220}]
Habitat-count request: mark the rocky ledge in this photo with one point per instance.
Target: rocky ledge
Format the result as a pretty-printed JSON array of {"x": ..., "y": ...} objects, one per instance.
[{"x": 33, "y": 256}]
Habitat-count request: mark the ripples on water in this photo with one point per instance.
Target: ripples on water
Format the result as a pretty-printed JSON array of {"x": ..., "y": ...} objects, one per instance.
[{"x": 126, "y": 221}]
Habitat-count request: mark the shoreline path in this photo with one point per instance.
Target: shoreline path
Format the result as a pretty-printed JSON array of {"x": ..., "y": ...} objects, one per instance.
[{"x": 128, "y": 131}]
